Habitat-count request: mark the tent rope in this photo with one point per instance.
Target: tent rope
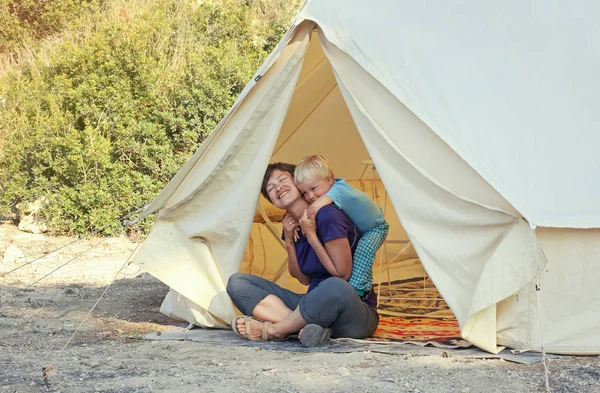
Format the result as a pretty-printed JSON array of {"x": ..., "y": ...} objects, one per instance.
[
  {"x": 545, "y": 358},
  {"x": 50, "y": 368},
  {"x": 123, "y": 220},
  {"x": 41, "y": 257},
  {"x": 538, "y": 288},
  {"x": 60, "y": 267},
  {"x": 39, "y": 310},
  {"x": 126, "y": 222}
]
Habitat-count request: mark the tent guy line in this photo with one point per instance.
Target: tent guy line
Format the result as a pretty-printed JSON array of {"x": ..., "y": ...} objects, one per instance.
[
  {"x": 47, "y": 370},
  {"x": 42, "y": 256},
  {"x": 538, "y": 289},
  {"x": 60, "y": 267}
]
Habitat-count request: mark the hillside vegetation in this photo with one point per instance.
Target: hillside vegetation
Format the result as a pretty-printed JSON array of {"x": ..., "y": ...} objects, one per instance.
[{"x": 101, "y": 102}]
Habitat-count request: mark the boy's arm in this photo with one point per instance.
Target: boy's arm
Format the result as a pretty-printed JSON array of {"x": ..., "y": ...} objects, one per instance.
[{"x": 321, "y": 201}]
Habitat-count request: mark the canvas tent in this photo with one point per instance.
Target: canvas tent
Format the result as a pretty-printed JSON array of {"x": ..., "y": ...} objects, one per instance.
[{"x": 481, "y": 120}]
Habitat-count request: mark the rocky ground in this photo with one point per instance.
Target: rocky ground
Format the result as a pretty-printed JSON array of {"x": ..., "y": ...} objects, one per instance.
[{"x": 107, "y": 354}]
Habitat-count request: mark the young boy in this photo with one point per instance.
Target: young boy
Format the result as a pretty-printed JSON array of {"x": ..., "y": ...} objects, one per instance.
[{"x": 319, "y": 187}]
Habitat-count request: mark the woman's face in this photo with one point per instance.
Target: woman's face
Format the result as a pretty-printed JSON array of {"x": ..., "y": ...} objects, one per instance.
[{"x": 282, "y": 190}]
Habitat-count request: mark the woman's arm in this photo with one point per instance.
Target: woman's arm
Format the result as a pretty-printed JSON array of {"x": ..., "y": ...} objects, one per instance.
[
  {"x": 289, "y": 229},
  {"x": 335, "y": 256},
  {"x": 293, "y": 267}
]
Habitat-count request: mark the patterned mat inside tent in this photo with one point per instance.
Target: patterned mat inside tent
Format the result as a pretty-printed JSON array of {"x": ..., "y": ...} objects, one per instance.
[{"x": 413, "y": 311}]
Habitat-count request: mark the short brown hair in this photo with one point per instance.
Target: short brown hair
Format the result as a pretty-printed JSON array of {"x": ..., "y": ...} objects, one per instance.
[{"x": 280, "y": 166}]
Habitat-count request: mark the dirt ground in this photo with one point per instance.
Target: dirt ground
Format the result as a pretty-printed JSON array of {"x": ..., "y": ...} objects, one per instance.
[{"x": 106, "y": 355}]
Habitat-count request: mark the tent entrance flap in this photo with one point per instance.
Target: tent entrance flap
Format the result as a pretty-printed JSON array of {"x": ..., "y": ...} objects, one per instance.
[
  {"x": 322, "y": 119},
  {"x": 453, "y": 220}
]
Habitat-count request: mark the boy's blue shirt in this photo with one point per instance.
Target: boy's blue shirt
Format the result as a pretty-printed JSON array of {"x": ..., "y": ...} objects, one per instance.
[{"x": 356, "y": 204}]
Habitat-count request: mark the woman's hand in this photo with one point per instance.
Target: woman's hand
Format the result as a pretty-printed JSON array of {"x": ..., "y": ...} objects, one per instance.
[
  {"x": 308, "y": 223},
  {"x": 290, "y": 228},
  {"x": 335, "y": 255}
]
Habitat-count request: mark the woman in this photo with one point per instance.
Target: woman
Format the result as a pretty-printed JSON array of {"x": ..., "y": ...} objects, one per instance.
[{"x": 320, "y": 258}]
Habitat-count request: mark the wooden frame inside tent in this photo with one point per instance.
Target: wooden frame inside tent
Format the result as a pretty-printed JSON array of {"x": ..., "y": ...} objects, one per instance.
[{"x": 400, "y": 278}]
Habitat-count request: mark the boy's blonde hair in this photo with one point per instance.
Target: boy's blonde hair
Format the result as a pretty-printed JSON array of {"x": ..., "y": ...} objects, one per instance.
[{"x": 312, "y": 168}]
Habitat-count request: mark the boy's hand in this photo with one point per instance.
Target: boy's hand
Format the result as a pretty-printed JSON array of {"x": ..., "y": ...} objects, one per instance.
[
  {"x": 317, "y": 205},
  {"x": 308, "y": 223},
  {"x": 312, "y": 211}
]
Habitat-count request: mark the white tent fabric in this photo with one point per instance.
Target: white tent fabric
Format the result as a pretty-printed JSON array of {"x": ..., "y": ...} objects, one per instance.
[
  {"x": 479, "y": 135},
  {"x": 511, "y": 86},
  {"x": 564, "y": 322}
]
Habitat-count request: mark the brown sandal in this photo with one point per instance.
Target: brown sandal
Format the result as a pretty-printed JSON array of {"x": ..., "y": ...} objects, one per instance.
[{"x": 264, "y": 332}]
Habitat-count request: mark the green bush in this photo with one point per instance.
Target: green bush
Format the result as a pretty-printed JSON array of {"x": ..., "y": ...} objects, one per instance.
[
  {"x": 99, "y": 121},
  {"x": 25, "y": 21}
]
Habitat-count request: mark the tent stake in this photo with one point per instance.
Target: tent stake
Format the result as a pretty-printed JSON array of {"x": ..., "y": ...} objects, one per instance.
[{"x": 45, "y": 374}]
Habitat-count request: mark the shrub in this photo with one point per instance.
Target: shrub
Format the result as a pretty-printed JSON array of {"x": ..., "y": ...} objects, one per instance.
[
  {"x": 99, "y": 121},
  {"x": 25, "y": 21}
]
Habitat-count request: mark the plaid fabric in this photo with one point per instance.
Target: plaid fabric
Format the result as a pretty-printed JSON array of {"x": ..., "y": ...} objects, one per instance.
[{"x": 364, "y": 256}]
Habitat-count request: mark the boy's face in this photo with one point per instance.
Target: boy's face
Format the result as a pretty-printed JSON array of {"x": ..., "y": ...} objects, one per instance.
[{"x": 311, "y": 189}]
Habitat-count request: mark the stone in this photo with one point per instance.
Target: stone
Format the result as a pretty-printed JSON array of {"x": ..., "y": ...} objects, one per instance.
[
  {"x": 31, "y": 224},
  {"x": 29, "y": 220},
  {"x": 343, "y": 371},
  {"x": 25, "y": 208},
  {"x": 13, "y": 254}
]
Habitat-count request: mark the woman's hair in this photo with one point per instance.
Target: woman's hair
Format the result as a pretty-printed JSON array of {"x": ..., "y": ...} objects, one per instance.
[
  {"x": 280, "y": 166},
  {"x": 312, "y": 168}
]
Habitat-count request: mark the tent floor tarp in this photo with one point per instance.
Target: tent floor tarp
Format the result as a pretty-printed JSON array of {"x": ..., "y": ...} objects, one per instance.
[{"x": 228, "y": 337}]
